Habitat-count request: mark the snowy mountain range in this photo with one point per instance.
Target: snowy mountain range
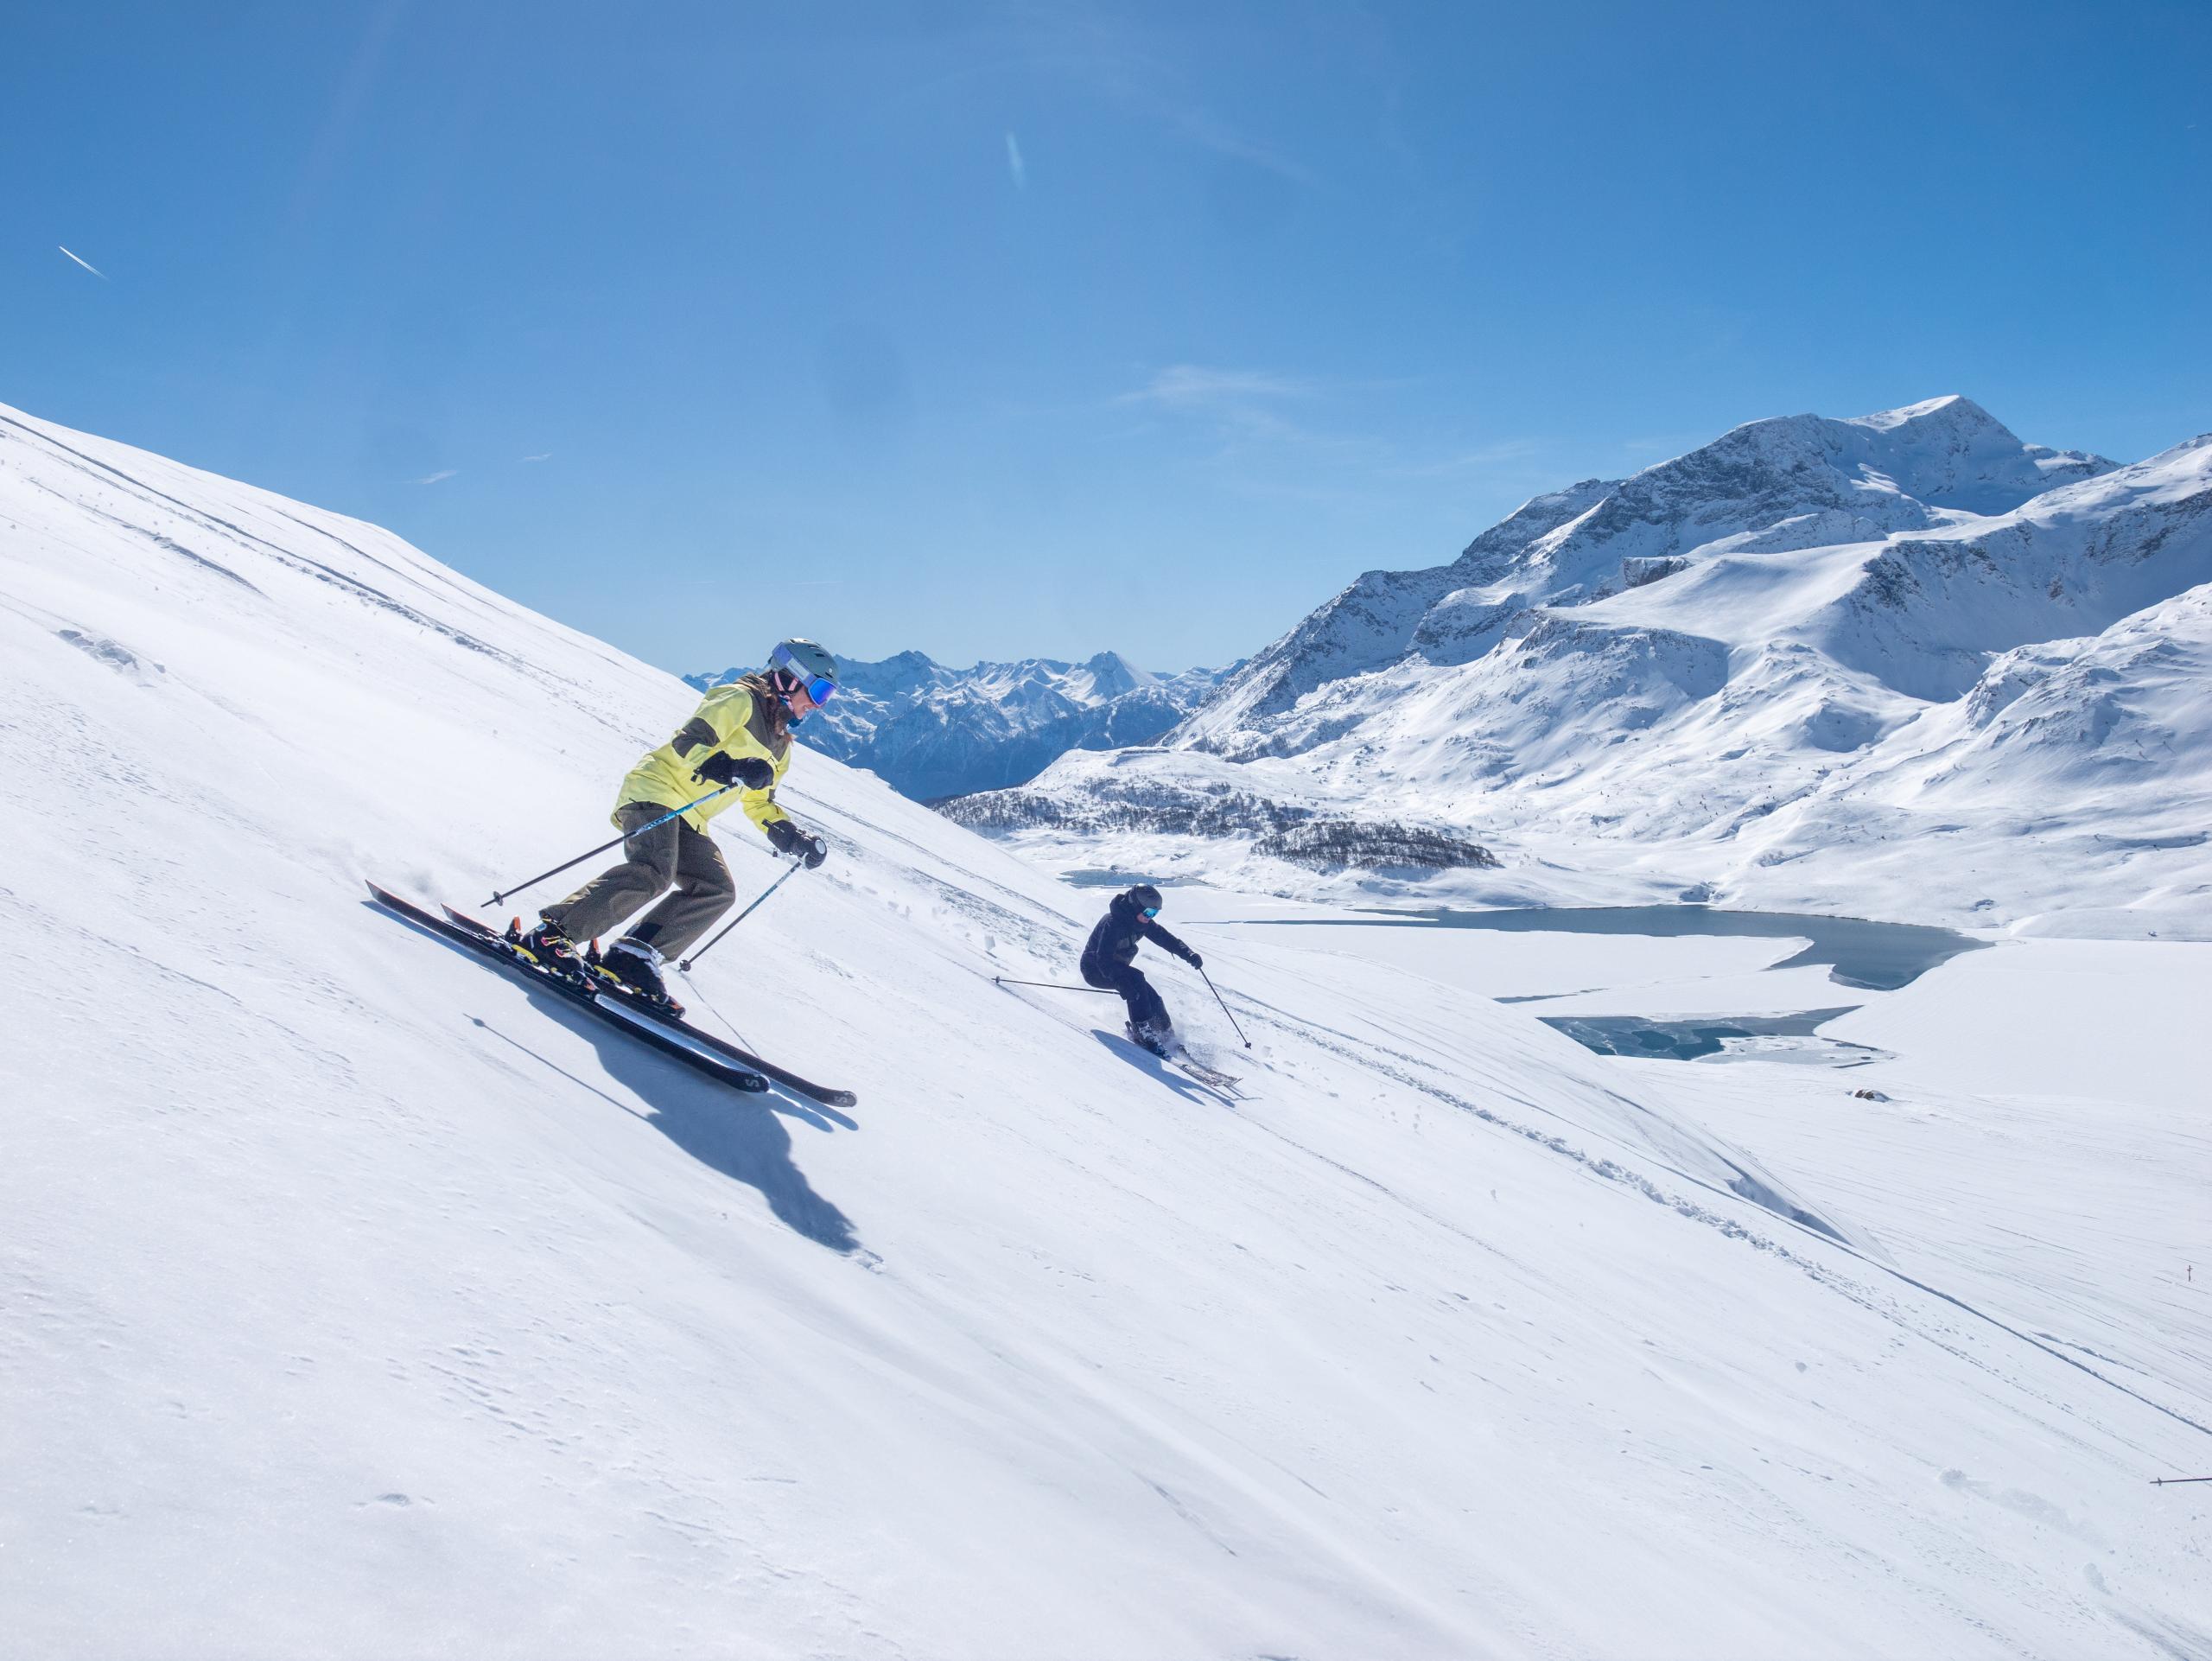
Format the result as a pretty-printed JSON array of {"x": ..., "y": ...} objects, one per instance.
[
  {"x": 1777, "y": 670},
  {"x": 931, "y": 731},
  {"x": 1770, "y": 487}
]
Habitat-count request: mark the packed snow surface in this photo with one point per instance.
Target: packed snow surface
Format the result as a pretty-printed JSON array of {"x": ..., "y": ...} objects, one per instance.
[{"x": 360, "y": 1300}]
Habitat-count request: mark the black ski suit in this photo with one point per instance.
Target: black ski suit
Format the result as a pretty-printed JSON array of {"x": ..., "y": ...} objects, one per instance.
[{"x": 1110, "y": 961}]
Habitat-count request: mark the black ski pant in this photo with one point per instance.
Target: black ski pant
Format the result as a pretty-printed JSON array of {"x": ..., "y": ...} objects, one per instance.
[
  {"x": 672, "y": 855},
  {"x": 1145, "y": 1008}
]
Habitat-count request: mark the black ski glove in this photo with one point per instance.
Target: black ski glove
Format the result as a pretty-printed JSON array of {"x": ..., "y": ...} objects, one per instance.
[
  {"x": 723, "y": 769},
  {"x": 787, "y": 839},
  {"x": 1194, "y": 960}
]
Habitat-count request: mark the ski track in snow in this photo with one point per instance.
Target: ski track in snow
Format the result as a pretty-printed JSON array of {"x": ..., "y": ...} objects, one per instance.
[{"x": 1343, "y": 1045}]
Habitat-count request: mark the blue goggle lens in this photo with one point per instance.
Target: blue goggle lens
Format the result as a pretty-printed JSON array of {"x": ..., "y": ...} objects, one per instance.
[
  {"x": 820, "y": 688},
  {"x": 1151, "y": 911}
]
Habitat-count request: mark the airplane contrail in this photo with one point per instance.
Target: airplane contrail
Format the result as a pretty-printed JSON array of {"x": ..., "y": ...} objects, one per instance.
[{"x": 86, "y": 264}]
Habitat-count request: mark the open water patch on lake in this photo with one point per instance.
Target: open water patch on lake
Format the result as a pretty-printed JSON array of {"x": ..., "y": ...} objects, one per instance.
[{"x": 1724, "y": 1038}]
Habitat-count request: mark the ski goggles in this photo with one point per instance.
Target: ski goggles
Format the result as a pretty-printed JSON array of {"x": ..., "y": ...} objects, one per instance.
[
  {"x": 1151, "y": 911},
  {"x": 820, "y": 688}
]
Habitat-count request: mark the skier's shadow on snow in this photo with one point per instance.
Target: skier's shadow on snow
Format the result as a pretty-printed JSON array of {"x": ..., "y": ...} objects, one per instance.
[
  {"x": 736, "y": 1133},
  {"x": 1181, "y": 1083}
]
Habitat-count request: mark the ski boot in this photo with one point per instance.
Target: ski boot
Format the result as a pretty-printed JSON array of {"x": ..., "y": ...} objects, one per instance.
[
  {"x": 1154, "y": 1036},
  {"x": 634, "y": 965},
  {"x": 548, "y": 949}
]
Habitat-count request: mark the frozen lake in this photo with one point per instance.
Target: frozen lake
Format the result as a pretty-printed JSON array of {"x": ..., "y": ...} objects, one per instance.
[
  {"x": 2113, "y": 1021},
  {"x": 1857, "y": 951}
]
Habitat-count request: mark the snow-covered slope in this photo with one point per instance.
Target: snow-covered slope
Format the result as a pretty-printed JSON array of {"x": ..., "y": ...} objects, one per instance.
[
  {"x": 360, "y": 1302},
  {"x": 1690, "y": 685},
  {"x": 1769, "y": 487},
  {"x": 1926, "y": 613},
  {"x": 2080, "y": 769},
  {"x": 930, "y": 731}
]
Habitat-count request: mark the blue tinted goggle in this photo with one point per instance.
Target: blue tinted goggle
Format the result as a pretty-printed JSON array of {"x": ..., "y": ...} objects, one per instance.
[
  {"x": 820, "y": 688},
  {"x": 1151, "y": 911}
]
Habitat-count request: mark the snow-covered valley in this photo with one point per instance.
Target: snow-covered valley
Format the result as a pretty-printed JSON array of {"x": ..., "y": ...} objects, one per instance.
[{"x": 360, "y": 1301}]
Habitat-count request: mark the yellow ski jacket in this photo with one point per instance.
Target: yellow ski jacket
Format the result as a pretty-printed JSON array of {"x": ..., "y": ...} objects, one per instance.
[{"x": 733, "y": 717}]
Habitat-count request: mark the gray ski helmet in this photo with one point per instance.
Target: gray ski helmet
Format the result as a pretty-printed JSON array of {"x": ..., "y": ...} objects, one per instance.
[
  {"x": 796, "y": 663},
  {"x": 1144, "y": 897}
]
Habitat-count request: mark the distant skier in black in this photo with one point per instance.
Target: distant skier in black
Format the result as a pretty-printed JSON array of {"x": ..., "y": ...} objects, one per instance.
[{"x": 1109, "y": 963}]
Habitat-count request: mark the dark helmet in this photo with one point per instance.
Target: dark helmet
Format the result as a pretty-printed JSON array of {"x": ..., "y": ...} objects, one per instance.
[{"x": 1144, "y": 897}]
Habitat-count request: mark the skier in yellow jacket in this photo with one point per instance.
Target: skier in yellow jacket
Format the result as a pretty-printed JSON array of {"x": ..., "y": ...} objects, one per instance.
[{"x": 740, "y": 737}]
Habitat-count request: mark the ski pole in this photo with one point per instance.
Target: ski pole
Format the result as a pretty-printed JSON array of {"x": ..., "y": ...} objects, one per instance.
[
  {"x": 1223, "y": 1002},
  {"x": 604, "y": 846},
  {"x": 2161, "y": 1481},
  {"x": 796, "y": 869},
  {"x": 1054, "y": 986}
]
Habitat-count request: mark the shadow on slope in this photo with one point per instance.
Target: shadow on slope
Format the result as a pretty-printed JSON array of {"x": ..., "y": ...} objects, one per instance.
[
  {"x": 1181, "y": 1083},
  {"x": 738, "y": 1136}
]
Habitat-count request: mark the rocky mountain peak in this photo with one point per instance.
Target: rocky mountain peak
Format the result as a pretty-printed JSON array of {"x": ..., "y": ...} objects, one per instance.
[{"x": 1778, "y": 485}]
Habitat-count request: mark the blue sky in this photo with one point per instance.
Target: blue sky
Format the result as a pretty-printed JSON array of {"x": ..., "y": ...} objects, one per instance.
[{"x": 1037, "y": 328}]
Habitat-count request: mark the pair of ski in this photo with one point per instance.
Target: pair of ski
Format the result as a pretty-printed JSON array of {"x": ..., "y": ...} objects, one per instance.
[
  {"x": 1177, "y": 1056},
  {"x": 666, "y": 1032},
  {"x": 1184, "y": 1061}
]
